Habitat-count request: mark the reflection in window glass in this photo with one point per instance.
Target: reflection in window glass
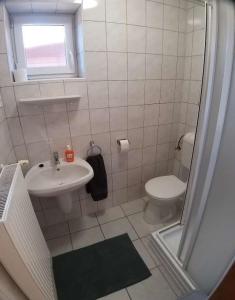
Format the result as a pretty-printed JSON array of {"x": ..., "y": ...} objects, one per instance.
[{"x": 44, "y": 45}]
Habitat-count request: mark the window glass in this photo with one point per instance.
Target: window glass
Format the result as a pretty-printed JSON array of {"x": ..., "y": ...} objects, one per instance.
[{"x": 44, "y": 45}]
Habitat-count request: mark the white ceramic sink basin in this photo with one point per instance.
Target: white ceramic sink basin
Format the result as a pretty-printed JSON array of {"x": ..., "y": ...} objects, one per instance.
[{"x": 46, "y": 180}]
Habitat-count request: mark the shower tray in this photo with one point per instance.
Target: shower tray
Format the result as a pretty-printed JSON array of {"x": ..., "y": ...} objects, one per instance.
[{"x": 165, "y": 244}]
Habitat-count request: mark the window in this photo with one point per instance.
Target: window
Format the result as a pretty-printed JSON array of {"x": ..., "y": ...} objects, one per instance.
[{"x": 44, "y": 45}]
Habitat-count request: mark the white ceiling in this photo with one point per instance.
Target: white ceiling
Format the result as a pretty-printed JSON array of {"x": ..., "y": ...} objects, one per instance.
[{"x": 42, "y": 6}]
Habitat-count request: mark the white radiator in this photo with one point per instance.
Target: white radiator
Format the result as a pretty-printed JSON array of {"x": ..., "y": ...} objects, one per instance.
[{"x": 23, "y": 250}]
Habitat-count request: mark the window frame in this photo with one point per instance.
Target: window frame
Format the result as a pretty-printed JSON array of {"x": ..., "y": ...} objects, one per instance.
[{"x": 70, "y": 70}]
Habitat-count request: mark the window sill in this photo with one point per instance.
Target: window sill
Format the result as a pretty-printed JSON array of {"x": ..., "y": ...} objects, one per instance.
[{"x": 50, "y": 80}]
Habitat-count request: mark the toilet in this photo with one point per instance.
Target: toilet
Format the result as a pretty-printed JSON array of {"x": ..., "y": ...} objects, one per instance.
[{"x": 165, "y": 191}]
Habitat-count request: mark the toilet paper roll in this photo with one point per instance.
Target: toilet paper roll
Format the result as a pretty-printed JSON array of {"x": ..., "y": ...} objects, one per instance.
[
  {"x": 124, "y": 145},
  {"x": 20, "y": 75}
]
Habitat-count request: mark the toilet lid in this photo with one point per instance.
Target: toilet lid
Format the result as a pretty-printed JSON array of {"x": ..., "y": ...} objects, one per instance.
[{"x": 165, "y": 187}]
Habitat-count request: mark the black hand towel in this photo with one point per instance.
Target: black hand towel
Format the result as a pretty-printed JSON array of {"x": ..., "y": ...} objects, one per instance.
[{"x": 98, "y": 186}]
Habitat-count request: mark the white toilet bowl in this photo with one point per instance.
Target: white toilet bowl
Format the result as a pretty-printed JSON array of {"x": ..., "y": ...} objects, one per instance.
[{"x": 164, "y": 191}]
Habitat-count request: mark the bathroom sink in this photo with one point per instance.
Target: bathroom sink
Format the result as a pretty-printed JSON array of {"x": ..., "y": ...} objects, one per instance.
[{"x": 46, "y": 180}]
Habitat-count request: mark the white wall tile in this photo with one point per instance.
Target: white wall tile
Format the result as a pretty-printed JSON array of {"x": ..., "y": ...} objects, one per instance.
[
  {"x": 136, "y": 12},
  {"x": 81, "y": 144},
  {"x": 151, "y": 114},
  {"x": 153, "y": 66},
  {"x": 5, "y": 74},
  {"x": 136, "y": 92},
  {"x": 195, "y": 92},
  {"x": 38, "y": 152},
  {"x": 96, "y": 65},
  {"x": 170, "y": 42},
  {"x": 98, "y": 94},
  {"x": 134, "y": 176},
  {"x": 152, "y": 91},
  {"x": 99, "y": 120},
  {"x": 116, "y": 37},
  {"x": 119, "y": 180},
  {"x": 192, "y": 115},
  {"x": 96, "y": 13},
  {"x": 197, "y": 67},
  {"x": 79, "y": 122},
  {"x": 34, "y": 128},
  {"x": 104, "y": 140},
  {"x": 76, "y": 88},
  {"x": 189, "y": 20},
  {"x": 117, "y": 93},
  {"x": 149, "y": 155},
  {"x": 116, "y": 11},
  {"x": 172, "y": 2},
  {"x": 167, "y": 91},
  {"x": 154, "y": 14},
  {"x": 198, "y": 42},
  {"x": 117, "y": 66},
  {"x": 134, "y": 158},
  {"x": 136, "y": 38},
  {"x": 187, "y": 68},
  {"x": 136, "y": 66},
  {"x": 92, "y": 30},
  {"x": 181, "y": 44},
  {"x": 180, "y": 68},
  {"x": 169, "y": 67},
  {"x": 164, "y": 134},
  {"x": 135, "y": 136},
  {"x": 154, "y": 41},
  {"x": 148, "y": 172},
  {"x": 135, "y": 116},
  {"x": 150, "y": 136},
  {"x": 57, "y": 125},
  {"x": 119, "y": 162},
  {"x": 3, "y": 47},
  {"x": 182, "y": 20},
  {"x": 8, "y": 98},
  {"x": 166, "y": 113},
  {"x": 171, "y": 18},
  {"x": 199, "y": 18},
  {"x": 52, "y": 89},
  {"x": 118, "y": 118},
  {"x": 15, "y": 131},
  {"x": 162, "y": 152}
]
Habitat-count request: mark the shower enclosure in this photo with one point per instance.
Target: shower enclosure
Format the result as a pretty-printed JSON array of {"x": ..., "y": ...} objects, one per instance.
[
  {"x": 197, "y": 31},
  {"x": 174, "y": 244}
]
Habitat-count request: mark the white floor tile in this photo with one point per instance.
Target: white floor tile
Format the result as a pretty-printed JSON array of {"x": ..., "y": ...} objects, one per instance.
[
  {"x": 110, "y": 214},
  {"x": 133, "y": 207},
  {"x": 144, "y": 254},
  {"x": 153, "y": 288},
  {"x": 86, "y": 237},
  {"x": 60, "y": 245},
  {"x": 147, "y": 244},
  {"x": 120, "y": 295},
  {"x": 56, "y": 231},
  {"x": 82, "y": 223},
  {"x": 118, "y": 227},
  {"x": 141, "y": 227}
]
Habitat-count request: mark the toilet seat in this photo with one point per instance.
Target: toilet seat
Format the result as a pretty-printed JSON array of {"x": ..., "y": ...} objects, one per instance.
[{"x": 165, "y": 188}]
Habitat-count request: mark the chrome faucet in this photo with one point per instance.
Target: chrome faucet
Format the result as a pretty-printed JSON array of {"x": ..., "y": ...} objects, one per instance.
[{"x": 56, "y": 159}]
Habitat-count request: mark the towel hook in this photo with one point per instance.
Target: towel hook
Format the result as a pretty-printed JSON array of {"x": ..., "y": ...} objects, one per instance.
[{"x": 93, "y": 146}]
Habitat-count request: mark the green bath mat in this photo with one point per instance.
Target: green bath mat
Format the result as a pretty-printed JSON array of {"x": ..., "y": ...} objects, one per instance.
[{"x": 98, "y": 270}]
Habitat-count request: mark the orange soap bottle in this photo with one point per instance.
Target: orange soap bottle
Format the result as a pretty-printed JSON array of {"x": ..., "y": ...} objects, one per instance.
[{"x": 69, "y": 154}]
